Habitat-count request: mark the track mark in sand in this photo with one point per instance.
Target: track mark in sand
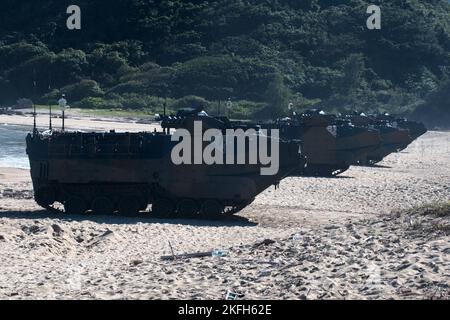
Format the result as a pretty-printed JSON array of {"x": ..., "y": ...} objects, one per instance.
[
  {"x": 306, "y": 209},
  {"x": 282, "y": 217},
  {"x": 328, "y": 210}
]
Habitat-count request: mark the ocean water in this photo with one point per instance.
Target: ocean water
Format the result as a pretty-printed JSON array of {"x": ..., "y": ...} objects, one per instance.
[{"x": 13, "y": 146}]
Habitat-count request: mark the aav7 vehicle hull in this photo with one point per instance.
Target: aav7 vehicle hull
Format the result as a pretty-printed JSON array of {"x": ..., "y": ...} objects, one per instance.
[
  {"x": 123, "y": 173},
  {"x": 393, "y": 138},
  {"x": 330, "y": 146}
]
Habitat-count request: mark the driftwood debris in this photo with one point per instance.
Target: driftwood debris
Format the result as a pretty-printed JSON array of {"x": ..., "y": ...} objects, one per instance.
[
  {"x": 95, "y": 241},
  {"x": 265, "y": 242},
  {"x": 187, "y": 256}
]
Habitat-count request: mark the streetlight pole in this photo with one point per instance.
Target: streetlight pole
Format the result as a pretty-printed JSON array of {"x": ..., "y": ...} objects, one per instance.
[
  {"x": 63, "y": 105},
  {"x": 229, "y": 105}
]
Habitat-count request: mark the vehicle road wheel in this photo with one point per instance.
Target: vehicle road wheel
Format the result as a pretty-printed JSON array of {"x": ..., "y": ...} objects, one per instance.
[
  {"x": 187, "y": 208},
  {"x": 211, "y": 209},
  {"x": 163, "y": 208},
  {"x": 45, "y": 197},
  {"x": 102, "y": 206},
  {"x": 239, "y": 206},
  {"x": 129, "y": 206},
  {"x": 364, "y": 162},
  {"x": 75, "y": 205},
  {"x": 143, "y": 205}
]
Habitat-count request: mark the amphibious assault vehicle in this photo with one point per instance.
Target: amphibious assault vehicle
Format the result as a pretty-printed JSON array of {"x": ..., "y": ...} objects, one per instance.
[
  {"x": 110, "y": 172},
  {"x": 331, "y": 145},
  {"x": 416, "y": 129},
  {"x": 393, "y": 137}
]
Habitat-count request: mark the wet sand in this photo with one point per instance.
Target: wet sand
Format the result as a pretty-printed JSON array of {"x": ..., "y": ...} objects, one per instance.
[{"x": 340, "y": 238}]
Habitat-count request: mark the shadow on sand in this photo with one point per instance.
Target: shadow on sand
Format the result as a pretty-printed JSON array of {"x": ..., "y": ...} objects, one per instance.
[{"x": 144, "y": 217}]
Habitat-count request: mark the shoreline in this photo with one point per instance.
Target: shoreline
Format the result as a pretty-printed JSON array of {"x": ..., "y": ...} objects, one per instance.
[
  {"x": 75, "y": 123},
  {"x": 81, "y": 123}
]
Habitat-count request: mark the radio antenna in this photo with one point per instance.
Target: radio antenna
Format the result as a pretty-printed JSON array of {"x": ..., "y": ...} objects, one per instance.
[
  {"x": 50, "y": 116},
  {"x": 34, "y": 118},
  {"x": 34, "y": 105},
  {"x": 49, "y": 105}
]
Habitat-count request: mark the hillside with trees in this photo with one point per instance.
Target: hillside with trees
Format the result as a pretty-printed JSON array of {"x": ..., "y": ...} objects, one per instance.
[{"x": 261, "y": 54}]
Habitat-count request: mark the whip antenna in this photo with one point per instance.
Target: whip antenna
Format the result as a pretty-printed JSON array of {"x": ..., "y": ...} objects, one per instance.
[
  {"x": 34, "y": 118},
  {"x": 34, "y": 105},
  {"x": 49, "y": 106}
]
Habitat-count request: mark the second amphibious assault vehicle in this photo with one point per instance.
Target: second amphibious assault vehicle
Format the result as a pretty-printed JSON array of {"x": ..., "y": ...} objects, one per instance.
[
  {"x": 331, "y": 145},
  {"x": 396, "y": 133},
  {"x": 416, "y": 129},
  {"x": 109, "y": 172},
  {"x": 358, "y": 139}
]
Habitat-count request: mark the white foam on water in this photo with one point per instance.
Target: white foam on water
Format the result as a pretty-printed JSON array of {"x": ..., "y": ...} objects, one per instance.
[
  {"x": 12, "y": 147},
  {"x": 15, "y": 162}
]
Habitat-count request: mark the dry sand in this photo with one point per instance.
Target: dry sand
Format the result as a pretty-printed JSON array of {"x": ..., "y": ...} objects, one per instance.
[{"x": 334, "y": 239}]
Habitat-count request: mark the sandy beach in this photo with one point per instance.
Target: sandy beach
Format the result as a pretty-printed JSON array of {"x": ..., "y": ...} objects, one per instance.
[{"x": 351, "y": 237}]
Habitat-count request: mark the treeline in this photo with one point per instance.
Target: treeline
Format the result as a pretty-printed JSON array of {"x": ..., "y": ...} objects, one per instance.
[{"x": 261, "y": 54}]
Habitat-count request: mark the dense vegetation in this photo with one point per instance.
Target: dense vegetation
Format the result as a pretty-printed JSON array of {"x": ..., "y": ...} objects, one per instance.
[{"x": 263, "y": 54}]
